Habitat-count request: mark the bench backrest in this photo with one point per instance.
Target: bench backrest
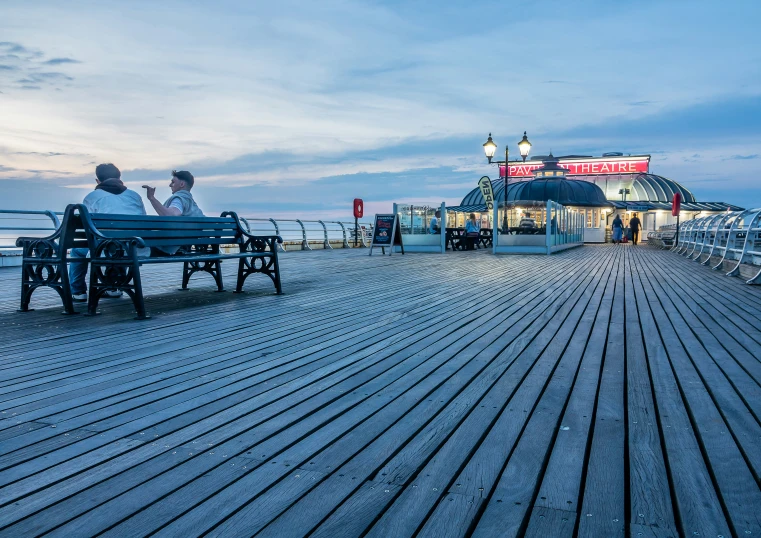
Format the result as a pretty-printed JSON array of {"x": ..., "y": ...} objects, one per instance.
[{"x": 154, "y": 230}]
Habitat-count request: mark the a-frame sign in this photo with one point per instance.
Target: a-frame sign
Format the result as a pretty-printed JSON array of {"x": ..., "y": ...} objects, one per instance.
[{"x": 387, "y": 232}]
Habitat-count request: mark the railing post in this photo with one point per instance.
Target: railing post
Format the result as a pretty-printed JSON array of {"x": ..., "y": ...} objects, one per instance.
[
  {"x": 748, "y": 233},
  {"x": 732, "y": 228},
  {"x": 325, "y": 243},
  {"x": 54, "y": 218},
  {"x": 281, "y": 246},
  {"x": 346, "y": 239},
  {"x": 304, "y": 243},
  {"x": 362, "y": 237}
]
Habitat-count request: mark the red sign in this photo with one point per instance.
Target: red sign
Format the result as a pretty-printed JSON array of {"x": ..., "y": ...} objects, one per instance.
[
  {"x": 676, "y": 204},
  {"x": 585, "y": 167},
  {"x": 359, "y": 208}
]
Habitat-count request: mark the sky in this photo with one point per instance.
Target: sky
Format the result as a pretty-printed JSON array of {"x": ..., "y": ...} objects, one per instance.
[{"x": 293, "y": 109}]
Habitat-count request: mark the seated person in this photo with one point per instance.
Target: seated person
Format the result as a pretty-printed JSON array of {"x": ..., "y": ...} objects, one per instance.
[
  {"x": 179, "y": 204},
  {"x": 472, "y": 231},
  {"x": 433, "y": 227},
  {"x": 110, "y": 196}
]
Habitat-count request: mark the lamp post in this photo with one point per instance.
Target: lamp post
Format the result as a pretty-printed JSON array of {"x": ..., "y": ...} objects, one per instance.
[
  {"x": 623, "y": 193},
  {"x": 489, "y": 149}
]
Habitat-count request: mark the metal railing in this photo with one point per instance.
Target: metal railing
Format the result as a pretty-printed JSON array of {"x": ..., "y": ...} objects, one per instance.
[
  {"x": 297, "y": 234},
  {"x": 735, "y": 236},
  {"x": 27, "y": 222},
  {"x": 301, "y": 234}
]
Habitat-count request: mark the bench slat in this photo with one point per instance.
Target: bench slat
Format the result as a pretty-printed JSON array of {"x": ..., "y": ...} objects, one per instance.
[
  {"x": 156, "y": 219},
  {"x": 142, "y": 225},
  {"x": 169, "y": 234}
]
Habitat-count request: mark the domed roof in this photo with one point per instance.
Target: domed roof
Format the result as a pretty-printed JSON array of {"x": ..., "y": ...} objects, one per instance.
[
  {"x": 563, "y": 191},
  {"x": 652, "y": 188}
]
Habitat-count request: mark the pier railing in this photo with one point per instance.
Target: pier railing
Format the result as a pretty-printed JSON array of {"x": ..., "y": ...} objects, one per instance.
[
  {"x": 724, "y": 241},
  {"x": 297, "y": 234},
  {"x": 18, "y": 222}
]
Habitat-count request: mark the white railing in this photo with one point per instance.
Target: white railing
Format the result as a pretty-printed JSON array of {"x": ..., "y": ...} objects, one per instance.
[{"x": 732, "y": 236}]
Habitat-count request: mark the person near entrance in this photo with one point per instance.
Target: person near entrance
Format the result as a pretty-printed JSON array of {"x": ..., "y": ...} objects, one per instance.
[
  {"x": 618, "y": 229},
  {"x": 635, "y": 225}
]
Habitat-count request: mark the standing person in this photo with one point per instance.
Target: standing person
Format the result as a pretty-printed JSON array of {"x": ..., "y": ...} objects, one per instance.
[
  {"x": 110, "y": 196},
  {"x": 618, "y": 229},
  {"x": 181, "y": 203},
  {"x": 635, "y": 225},
  {"x": 472, "y": 231},
  {"x": 433, "y": 227}
]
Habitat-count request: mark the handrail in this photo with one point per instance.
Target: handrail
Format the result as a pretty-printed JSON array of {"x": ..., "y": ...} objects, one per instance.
[
  {"x": 304, "y": 234},
  {"x": 50, "y": 214},
  {"x": 735, "y": 236}
]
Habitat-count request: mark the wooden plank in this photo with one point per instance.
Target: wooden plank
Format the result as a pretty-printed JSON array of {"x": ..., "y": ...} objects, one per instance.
[
  {"x": 649, "y": 487},
  {"x": 694, "y": 494},
  {"x": 603, "y": 508}
]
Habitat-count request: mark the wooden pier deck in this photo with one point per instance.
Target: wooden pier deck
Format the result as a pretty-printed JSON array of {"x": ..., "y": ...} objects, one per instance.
[{"x": 603, "y": 391}]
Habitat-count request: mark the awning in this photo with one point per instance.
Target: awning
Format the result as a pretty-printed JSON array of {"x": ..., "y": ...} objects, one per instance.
[{"x": 666, "y": 206}]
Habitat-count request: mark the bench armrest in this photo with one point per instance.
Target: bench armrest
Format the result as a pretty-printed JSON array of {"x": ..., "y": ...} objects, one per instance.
[{"x": 254, "y": 243}]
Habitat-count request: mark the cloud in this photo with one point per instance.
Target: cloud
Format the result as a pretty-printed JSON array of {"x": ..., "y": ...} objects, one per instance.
[
  {"x": 59, "y": 61},
  {"x": 39, "y": 153},
  {"x": 9, "y": 47},
  {"x": 727, "y": 117},
  {"x": 743, "y": 157},
  {"x": 29, "y": 64}
]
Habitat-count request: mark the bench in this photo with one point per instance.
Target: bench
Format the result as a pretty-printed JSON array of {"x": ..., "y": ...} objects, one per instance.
[
  {"x": 662, "y": 239},
  {"x": 114, "y": 240}
]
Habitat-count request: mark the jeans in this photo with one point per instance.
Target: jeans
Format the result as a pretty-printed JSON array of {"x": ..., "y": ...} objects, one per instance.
[
  {"x": 635, "y": 236},
  {"x": 78, "y": 271}
]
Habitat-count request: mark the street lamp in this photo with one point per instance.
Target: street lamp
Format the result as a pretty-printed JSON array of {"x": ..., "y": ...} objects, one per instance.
[
  {"x": 524, "y": 146},
  {"x": 623, "y": 193},
  {"x": 489, "y": 149}
]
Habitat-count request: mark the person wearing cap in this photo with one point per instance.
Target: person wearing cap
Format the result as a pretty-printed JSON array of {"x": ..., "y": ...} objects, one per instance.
[
  {"x": 110, "y": 196},
  {"x": 179, "y": 204}
]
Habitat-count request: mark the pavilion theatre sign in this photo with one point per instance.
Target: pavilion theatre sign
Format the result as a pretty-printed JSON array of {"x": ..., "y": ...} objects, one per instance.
[{"x": 585, "y": 167}]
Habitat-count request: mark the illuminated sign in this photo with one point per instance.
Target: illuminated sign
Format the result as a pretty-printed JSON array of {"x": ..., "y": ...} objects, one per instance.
[{"x": 585, "y": 167}]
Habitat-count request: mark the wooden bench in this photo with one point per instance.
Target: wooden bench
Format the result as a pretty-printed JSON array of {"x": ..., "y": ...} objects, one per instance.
[{"x": 114, "y": 240}]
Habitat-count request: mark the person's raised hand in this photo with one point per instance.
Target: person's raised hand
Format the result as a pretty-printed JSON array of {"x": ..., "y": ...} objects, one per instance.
[{"x": 151, "y": 191}]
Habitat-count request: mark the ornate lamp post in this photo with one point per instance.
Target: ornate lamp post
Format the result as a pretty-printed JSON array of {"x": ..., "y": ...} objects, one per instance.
[{"x": 489, "y": 149}]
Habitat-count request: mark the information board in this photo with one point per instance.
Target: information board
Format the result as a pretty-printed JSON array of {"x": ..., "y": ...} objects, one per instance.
[{"x": 387, "y": 232}]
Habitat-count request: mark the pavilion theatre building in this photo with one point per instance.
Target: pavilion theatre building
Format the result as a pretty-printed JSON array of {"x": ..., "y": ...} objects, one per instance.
[{"x": 597, "y": 187}]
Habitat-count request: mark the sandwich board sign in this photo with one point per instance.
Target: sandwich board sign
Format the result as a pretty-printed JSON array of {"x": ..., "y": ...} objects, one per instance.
[{"x": 387, "y": 232}]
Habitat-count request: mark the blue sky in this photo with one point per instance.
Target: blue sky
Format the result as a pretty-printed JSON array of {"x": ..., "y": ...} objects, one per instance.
[{"x": 295, "y": 108}]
